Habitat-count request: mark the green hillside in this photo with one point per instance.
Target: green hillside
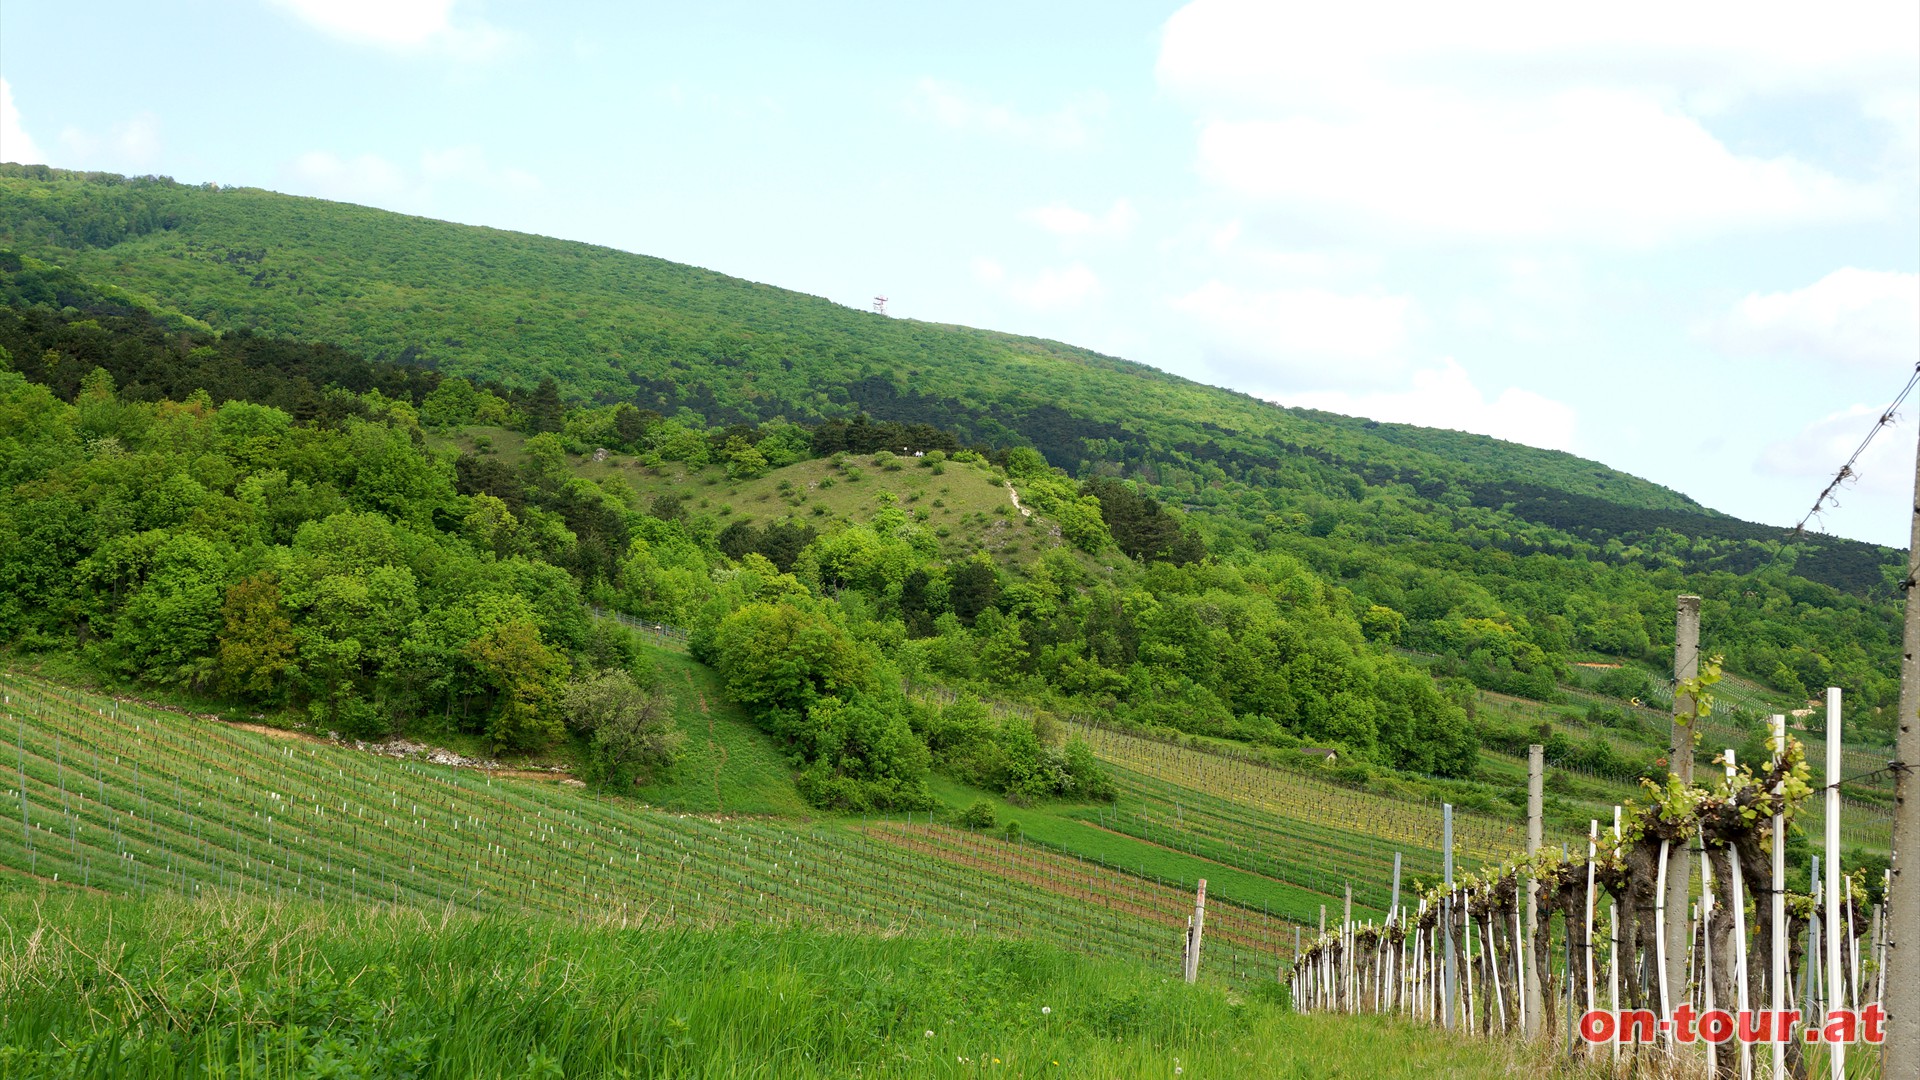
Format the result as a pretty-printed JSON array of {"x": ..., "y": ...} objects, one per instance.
[
  {"x": 242, "y": 463},
  {"x": 612, "y": 326}
]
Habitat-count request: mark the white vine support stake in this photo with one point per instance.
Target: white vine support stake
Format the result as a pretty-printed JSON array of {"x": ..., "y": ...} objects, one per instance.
[
  {"x": 1706, "y": 951},
  {"x": 1493, "y": 964},
  {"x": 1736, "y": 895},
  {"x": 1778, "y": 980},
  {"x": 1880, "y": 939},
  {"x": 1519, "y": 959},
  {"x": 1465, "y": 948},
  {"x": 1593, "y": 852},
  {"x": 1348, "y": 961},
  {"x": 1853, "y": 948},
  {"x": 1660, "y": 940},
  {"x": 1836, "y": 1052}
]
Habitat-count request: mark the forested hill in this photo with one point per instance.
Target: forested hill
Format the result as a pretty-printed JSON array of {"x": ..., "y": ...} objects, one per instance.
[
  {"x": 610, "y": 326},
  {"x": 1506, "y": 562}
]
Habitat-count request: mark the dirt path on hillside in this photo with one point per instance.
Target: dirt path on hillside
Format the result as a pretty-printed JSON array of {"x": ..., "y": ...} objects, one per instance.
[{"x": 430, "y": 753}]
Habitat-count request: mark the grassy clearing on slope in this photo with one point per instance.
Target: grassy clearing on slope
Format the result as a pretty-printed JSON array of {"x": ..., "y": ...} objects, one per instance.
[
  {"x": 728, "y": 765},
  {"x": 965, "y": 505},
  {"x": 105, "y": 988}
]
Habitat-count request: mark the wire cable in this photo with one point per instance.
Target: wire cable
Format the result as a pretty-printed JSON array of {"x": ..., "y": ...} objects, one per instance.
[{"x": 1847, "y": 471}]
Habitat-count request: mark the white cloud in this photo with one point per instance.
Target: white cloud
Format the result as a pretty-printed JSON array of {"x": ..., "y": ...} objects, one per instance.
[
  {"x": 1068, "y": 126},
  {"x": 1064, "y": 220},
  {"x": 1852, "y": 318},
  {"x": 15, "y": 144},
  {"x": 1596, "y": 166},
  {"x": 1870, "y": 504},
  {"x": 398, "y": 24},
  {"x": 133, "y": 146},
  {"x": 372, "y": 179},
  {"x": 1304, "y": 336},
  {"x": 1068, "y": 286},
  {"x": 1503, "y": 120},
  {"x": 1049, "y": 290},
  {"x": 1445, "y": 397},
  {"x": 1873, "y": 503},
  {"x": 469, "y": 164},
  {"x": 368, "y": 178},
  {"x": 1715, "y": 50}
]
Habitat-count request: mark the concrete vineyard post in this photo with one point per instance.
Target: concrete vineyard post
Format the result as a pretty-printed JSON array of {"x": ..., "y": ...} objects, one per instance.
[
  {"x": 1813, "y": 992},
  {"x": 1393, "y": 905},
  {"x": 1530, "y": 986},
  {"x": 1446, "y": 915},
  {"x": 1398, "y": 949},
  {"x": 1686, "y": 666},
  {"x": 1901, "y": 971},
  {"x": 1193, "y": 934}
]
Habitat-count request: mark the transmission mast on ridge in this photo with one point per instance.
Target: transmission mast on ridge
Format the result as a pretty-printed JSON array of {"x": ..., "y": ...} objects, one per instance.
[{"x": 880, "y": 305}]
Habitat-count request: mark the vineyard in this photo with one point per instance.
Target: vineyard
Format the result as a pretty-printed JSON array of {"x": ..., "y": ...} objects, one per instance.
[
  {"x": 129, "y": 800},
  {"x": 1866, "y": 797},
  {"x": 1320, "y": 859},
  {"x": 1300, "y": 801}
]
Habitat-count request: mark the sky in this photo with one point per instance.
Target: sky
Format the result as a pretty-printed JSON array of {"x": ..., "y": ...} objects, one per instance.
[{"x": 1679, "y": 239}]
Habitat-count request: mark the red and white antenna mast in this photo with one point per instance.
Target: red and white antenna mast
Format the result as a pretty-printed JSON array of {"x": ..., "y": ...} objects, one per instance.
[{"x": 880, "y": 305}]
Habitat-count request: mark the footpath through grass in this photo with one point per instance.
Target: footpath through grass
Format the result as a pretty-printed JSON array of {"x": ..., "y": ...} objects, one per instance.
[
  {"x": 728, "y": 765},
  {"x": 97, "y": 987}
]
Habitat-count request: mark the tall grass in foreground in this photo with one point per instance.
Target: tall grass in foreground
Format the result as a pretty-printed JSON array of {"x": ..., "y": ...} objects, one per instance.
[{"x": 243, "y": 988}]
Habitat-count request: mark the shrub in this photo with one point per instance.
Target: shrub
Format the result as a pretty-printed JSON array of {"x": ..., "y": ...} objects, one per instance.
[
  {"x": 628, "y": 729},
  {"x": 978, "y": 816}
]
